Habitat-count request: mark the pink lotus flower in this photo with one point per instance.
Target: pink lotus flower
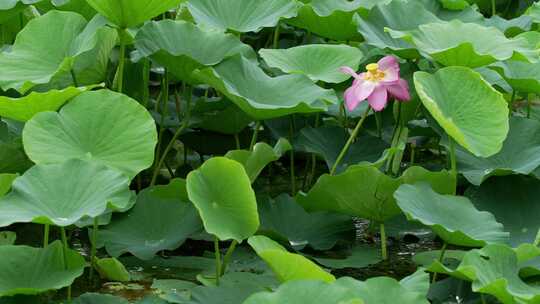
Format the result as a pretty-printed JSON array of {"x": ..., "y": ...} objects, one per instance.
[{"x": 376, "y": 85}]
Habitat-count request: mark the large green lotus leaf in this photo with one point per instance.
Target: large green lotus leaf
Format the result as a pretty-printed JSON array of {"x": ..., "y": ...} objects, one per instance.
[
  {"x": 162, "y": 219},
  {"x": 262, "y": 96},
  {"x": 320, "y": 62},
  {"x": 494, "y": 270},
  {"x": 472, "y": 112},
  {"x": 221, "y": 191},
  {"x": 52, "y": 45},
  {"x": 62, "y": 194},
  {"x": 98, "y": 298},
  {"x": 262, "y": 154},
  {"x": 514, "y": 200},
  {"x": 364, "y": 191},
  {"x": 320, "y": 230},
  {"x": 465, "y": 44},
  {"x": 26, "y": 107},
  {"x": 306, "y": 292},
  {"x": 521, "y": 75},
  {"x": 330, "y": 18},
  {"x": 453, "y": 218},
  {"x": 287, "y": 266},
  {"x": 120, "y": 133},
  {"x": 241, "y": 15},
  {"x": 233, "y": 288},
  {"x": 398, "y": 15},
  {"x": 6, "y": 179},
  {"x": 327, "y": 141},
  {"x": 129, "y": 13},
  {"x": 385, "y": 290},
  {"x": 27, "y": 270},
  {"x": 182, "y": 47},
  {"x": 520, "y": 154}
]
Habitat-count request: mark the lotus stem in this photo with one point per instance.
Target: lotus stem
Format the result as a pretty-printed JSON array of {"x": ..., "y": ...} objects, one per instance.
[
  {"x": 529, "y": 101},
  {"x": 378, "y": 120},
  {"x": 482, "y": 298},
  {"x": 65, "y": 247},
  {"x": 350, "y": 141},
  {"x": 441, "y": 260},
  {"x": 46, "y": 232},
  {"x": 218, "y": 260},
  {"x": 293, "y": 175},
  {"x": 276, "y": 37},
  {"x": 74, "y": 78},
  {"x": 121, "y": 61},
  {"x": 174, "y": 138},
  {"x": 227, "y": 257},
  {"x": 413, "y": 152},
  {"x": 384, "y": 250},
  {"x": 93, "y": 247},
  {"x": 493, "y": 8},
  {"x": 453, "y": 163},
  {"x": 164, "y": 102},
  {"x": 255, "y": 135},
  {"x": 237, "y": 141},
  {"x": 512, "y": 100}
]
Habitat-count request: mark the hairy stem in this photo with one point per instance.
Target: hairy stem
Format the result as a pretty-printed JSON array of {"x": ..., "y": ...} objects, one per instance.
[
  {"x": 352, "y": 137},
  {"x": 227, "y": 257},
  {"x": 174, "y": 138},
  {"x": 384, "y": 250},
  {"x": 218, "y": 260}
]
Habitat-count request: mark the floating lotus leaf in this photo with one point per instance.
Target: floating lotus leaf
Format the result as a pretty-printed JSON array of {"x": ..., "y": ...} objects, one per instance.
[
  {"x": 522, "y": 76},
  {"x": 520, "y": 154},
  {"x": 120, "y": 133},
  {"x": 29, "y": 271},
  {"x": 97, "y": 298},
  {"x": 364, "y": 191},
  {"x": 51, "y": 46},
  {"x": 262, "y": 154},
  {"x": 262, "y": 96},
  {"x": 182, "y": 47},
  {"x": 320, "y": 62},
  {"x": 472, "y": 112},
  {"x": 453, "y": 218},
  {"x": 26, "y": 107},
  {"x": 327, "y": 141},
  {"x": 129, "y": 13},
  {"x": 466, "y": 44},
  {"x": 306, "y": 292},
  {"x": 241, "y": 15},
  {"x": 287, "y": 266},
  {"x": 62, "y": 194},
  {"x": 221, "y": 191},
  {"x": 513, "y": 200},
  {"x": 331, "y": 19},
  {"x": 162, "y": 219},
  {"x": 359, "y": 257},
  {"x": 282, "y": 216}
]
